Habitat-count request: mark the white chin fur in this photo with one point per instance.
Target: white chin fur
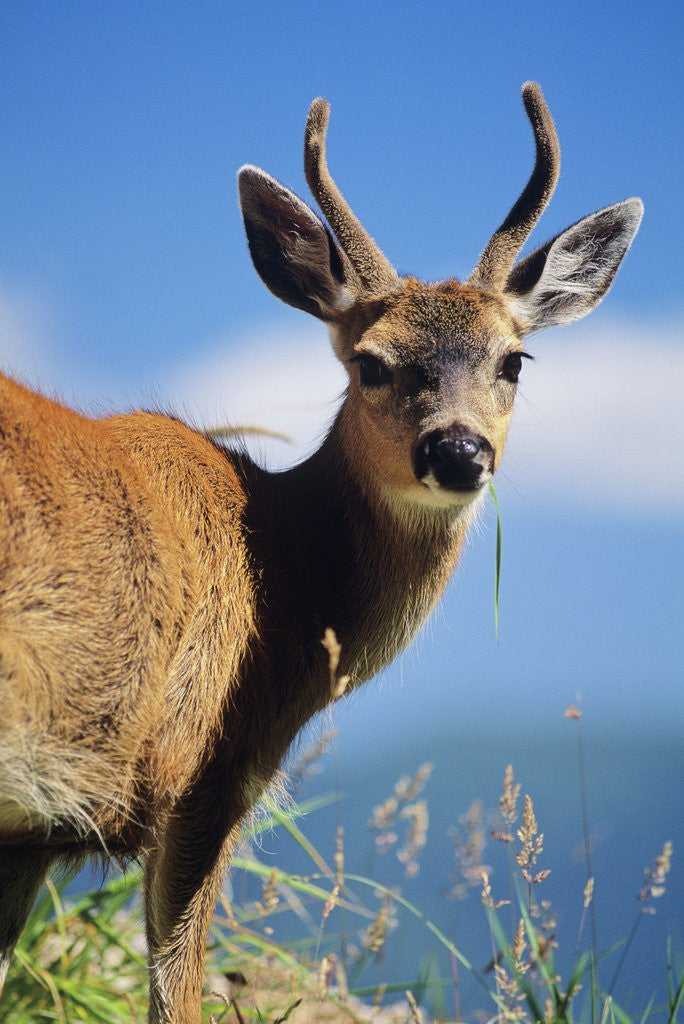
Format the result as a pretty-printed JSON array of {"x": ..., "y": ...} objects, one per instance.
[{"x": 433, "y": 495}]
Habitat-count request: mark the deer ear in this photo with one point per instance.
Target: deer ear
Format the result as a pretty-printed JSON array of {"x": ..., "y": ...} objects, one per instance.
[
  {"x": 292, "y": 250},
  {"x": 564, "y": 279}
]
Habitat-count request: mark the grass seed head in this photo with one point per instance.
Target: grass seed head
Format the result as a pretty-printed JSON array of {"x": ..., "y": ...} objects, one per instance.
[
  {"x": 588, "y": 892},
  {"x": 508, "y": 800},
  {"x": 418, "y": 818},
  {"x": 330, "y": 903},
  {"x": 325, "y": 973},
  {"x": 486, "y": 894},
  {"x": 510, "y": 994},
  {"x": 339, "y": 856},
  {"x": 532, "y": 844},
  {"x": 519, "y": 947},
  {"x": 269, "y": 894},
  {"x": 375, "y": 935},
  {"x": 338, "y": 684},
  {"x": 416, "y": 1015},
  {"x": 470, "y": 840},
  {"x": 655, "y": 876}
]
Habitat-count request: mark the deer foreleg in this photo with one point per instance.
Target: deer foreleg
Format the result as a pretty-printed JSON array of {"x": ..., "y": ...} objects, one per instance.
[
  {"x": 183, "y": 879},
  {"x": 21, "y": 873}
]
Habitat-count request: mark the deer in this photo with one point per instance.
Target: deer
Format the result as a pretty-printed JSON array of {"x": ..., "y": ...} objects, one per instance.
[{"x": 163, "y": 598}]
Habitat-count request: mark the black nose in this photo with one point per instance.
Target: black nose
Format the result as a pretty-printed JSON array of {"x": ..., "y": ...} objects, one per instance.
[{"x": 456, "y": 459}]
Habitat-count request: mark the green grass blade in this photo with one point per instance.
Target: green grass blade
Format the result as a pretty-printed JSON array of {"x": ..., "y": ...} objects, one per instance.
[
  {"x": 114, "y": 939},
  {"x": 676, "y": 1002},
  {"x": 497, "y": 564},
  {"x": 412, "y": 909},
  {"x": 302, "y": 885}
]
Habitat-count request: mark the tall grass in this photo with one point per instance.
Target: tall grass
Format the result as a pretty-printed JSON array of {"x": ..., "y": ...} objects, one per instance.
[{"x": 310, "y": 946}]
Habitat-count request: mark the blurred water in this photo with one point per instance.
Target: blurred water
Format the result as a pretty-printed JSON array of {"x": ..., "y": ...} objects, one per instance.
[{"x": 634, "y": 792}]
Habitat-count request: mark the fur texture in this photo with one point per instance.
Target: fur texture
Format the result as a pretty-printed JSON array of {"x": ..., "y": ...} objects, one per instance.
[{"x": 163, "y": 599}]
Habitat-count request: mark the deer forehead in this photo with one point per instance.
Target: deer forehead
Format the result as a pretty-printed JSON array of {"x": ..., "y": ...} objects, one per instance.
[{"x": 433, "y": 322}]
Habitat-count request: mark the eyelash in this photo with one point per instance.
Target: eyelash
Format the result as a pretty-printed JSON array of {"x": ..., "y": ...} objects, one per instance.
[
  {"x": 372, "y": 372},
  {"x": 512, "y": 365}
]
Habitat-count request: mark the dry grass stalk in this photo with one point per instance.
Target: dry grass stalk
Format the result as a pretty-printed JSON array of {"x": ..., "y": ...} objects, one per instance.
[
  {"x": 325, "y": 973},
  {"x": 338, "y": 684},
  {"x": 380, "y": 994},
  {"x": 230, "y": 1004},
  {"x": 654, "y": 880},
  {"x": 508, "y": 806},
  {"x": 532, "y": 845},
  {"x": 510, "y": 994},
  {"x": 418, "y": 818},
  {"x": 330, "y": 903},
  {"x": 341, "y": 979},
  {"x": 339, "y": 856},
  {"x": 486, "y": 895},
  {"x": 227, "y": 906},
  {"x": 470, "y": 840},
  {"x": 408, "y": 788},
  {"x": 227, "y": 432},
  {"x": 397, "y": 807},
  {"x": 508, "y": 801},
  {"x": 384, "y": 814},
  {"x": 375, "y": 935},
  {"x": 385, "y": 841},
  {"x": 306, "y": 765},
  {"x": 545, "y": 928},
  {"x": 588, "y": 892},
  {"x": 416, "y": 1015},
  {"x": 269, "y": 895},
  {"x": 519, "y": 947}
]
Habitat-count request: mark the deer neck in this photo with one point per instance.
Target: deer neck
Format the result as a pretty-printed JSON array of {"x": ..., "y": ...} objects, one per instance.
[{"x": 332, "y": 551}]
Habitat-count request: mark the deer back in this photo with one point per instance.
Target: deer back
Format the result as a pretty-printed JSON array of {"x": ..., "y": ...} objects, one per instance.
[{"x": 125, "y": 606}]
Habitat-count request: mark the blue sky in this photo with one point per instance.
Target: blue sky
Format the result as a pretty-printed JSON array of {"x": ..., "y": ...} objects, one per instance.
[
  {"x": 123, "y": 126},
  {"x": 124, "y": 278}
]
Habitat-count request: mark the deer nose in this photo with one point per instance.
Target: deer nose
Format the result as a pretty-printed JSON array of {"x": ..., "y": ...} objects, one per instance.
[{"x": 454, "y": 459}]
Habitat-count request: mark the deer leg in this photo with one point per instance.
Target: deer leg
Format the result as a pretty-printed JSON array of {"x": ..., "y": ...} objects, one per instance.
[
  {"x": 21, "y": 873},
  {"x": 183, "y": 878}
]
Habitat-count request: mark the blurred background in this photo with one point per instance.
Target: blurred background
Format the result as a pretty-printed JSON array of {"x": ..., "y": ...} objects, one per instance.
[{"x": 125, "y": 281}]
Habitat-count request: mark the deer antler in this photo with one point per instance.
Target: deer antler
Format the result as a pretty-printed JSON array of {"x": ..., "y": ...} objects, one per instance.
[
  {"x": 370, "y": 264},
  {"x": 497, "y": 259}
]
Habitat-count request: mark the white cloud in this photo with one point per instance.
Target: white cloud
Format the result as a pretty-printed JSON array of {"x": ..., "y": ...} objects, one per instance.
[
  {"x": 598, "y": 419},
  {"x": 271, "y": 378}
]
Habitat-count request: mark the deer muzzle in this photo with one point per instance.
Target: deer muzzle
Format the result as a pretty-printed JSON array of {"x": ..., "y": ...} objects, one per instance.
[{"x": 454, "y": 459}]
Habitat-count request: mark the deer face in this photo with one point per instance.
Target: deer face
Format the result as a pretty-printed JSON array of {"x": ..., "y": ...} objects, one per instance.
[
  {"x": 433, "y": 368},
  {"x": 433, "y": 371}
]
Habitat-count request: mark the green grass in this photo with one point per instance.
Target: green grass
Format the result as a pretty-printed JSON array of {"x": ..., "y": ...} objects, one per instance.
[{"x": 82, "y": 958}]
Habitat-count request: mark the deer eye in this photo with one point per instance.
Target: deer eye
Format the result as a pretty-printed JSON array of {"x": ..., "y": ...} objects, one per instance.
[
  {"x": 372, "y": 373},
  {"x": 512, "y": 365}
]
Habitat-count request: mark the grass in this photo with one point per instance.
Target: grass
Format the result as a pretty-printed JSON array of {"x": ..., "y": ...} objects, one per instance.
[
  {"x": 82, "y": 958},
  {"x": 311, "y": 944}
]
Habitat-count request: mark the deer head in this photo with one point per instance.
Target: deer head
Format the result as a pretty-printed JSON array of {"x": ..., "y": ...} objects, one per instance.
[{"x": 433, "y": 368}]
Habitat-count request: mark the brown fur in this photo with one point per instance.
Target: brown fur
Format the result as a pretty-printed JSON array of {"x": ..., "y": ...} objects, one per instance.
[{"x": 163, "y": 600}]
